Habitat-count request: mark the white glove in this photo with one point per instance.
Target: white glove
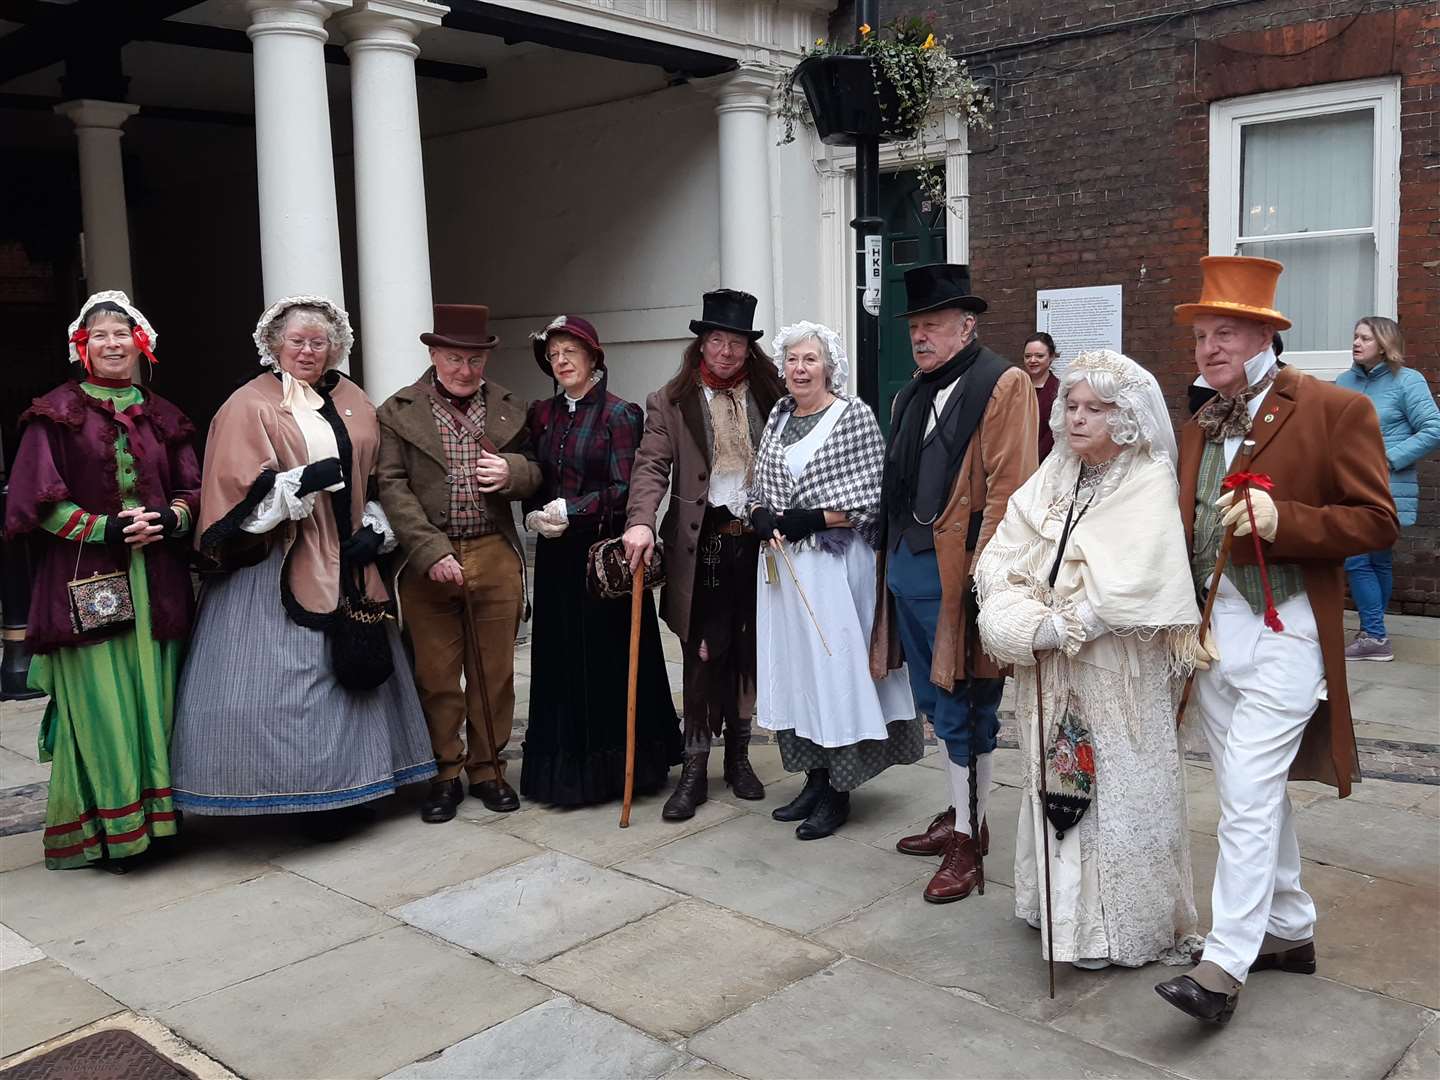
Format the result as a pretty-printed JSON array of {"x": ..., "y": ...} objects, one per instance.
[
  {"x": 1205, "y": 653},
  {"x": 537, "y": 522},
  {"x": 557, "y": 513},
  {"x": 1048, "y": 635},
  {"x": 1267, "y": 517}
]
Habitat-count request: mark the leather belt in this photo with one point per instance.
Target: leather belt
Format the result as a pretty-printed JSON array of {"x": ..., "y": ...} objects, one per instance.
[{"x": 731, "y": 528}]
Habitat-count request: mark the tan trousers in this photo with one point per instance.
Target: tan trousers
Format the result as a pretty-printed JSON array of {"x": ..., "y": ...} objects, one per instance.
[{"x": 438, "y": 625}]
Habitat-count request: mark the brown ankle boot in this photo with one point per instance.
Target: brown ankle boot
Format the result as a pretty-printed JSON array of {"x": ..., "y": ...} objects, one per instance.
[
  {"x": 691, "y": 790},
  {"x": 738, "y": 772},
  {"x": 933, "y": 840},
  {"x": 960, "y": 872}
]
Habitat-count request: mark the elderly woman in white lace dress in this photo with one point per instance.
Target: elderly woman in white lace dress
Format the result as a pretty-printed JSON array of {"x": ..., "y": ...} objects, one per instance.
[{"x": 1086, "y": 589}]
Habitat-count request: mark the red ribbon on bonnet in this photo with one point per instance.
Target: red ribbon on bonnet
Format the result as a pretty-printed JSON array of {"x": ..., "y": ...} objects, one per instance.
[
  {"x": 1244, "y": 481},
  {"x": 81, "y": 340},
  {"x": 142, "y": 341}
]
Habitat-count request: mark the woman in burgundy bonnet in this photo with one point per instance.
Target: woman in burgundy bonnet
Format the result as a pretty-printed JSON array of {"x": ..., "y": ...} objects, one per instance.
[
  {"x": 585, "y": 438},
  {"x": 107, "y": 481}
]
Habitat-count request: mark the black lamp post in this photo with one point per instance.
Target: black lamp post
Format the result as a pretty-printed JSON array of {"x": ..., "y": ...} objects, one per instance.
[{"x": 868, "y": 225}]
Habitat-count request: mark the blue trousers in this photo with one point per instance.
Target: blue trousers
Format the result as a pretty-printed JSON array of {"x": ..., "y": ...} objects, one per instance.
[
  {"x": 1371, "y": 578},
  {"x": 967, "y": 716}
]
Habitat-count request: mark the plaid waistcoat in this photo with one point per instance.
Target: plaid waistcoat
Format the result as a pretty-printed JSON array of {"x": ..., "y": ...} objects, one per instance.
[
  {"x": 468, "y": 518},
  {"x": 1286, "y": 579}
]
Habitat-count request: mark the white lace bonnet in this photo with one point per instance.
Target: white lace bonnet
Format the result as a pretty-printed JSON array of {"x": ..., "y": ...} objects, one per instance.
[
  {"x": 795, "y": 332},
  {"x": 120, "y": 300},
  {"x": 277, "y": 310}
]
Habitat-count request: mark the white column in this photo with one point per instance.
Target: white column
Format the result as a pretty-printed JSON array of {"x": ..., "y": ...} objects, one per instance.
[
  {"x": 299, "y": 226},
  {"x": 102, "y": 191},
  {"x": 390, "y": 228},
  {"x": 746, "y": 257}
]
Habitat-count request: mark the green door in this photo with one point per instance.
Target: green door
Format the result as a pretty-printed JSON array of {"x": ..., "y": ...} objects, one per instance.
[{"x": 914, "y": 236}]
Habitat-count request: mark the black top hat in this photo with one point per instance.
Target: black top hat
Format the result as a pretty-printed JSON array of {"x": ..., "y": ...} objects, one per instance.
[
  {"x": 940, "y": 285},
  {"x": 730, "y": 310}
]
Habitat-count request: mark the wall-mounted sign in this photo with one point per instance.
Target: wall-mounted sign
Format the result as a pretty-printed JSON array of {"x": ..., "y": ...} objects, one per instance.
[{"x": 1079, "y": 319}]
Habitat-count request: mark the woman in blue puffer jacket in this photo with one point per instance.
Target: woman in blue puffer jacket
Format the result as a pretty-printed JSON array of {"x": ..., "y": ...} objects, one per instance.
[{"x": 1410, "y": 423}]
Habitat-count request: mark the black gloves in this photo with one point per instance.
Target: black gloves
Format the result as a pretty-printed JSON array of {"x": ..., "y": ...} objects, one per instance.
[
  {"x": 796, "y": 525},
  {"x": 320, "y": 475},
  {"x": 115, "y": 527},
  {"x": 762, "y": 520},
  {"x": 363, "y": 547},
  {"x": 168, "y": 521}
]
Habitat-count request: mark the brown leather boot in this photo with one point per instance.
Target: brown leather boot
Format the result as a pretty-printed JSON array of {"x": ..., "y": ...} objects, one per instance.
[
  {"x": 691, "y": 790},
  {"x": 933, "y": 840},
  {"x": 738, "y": 772},
  {"x": 960, "y": 872}
]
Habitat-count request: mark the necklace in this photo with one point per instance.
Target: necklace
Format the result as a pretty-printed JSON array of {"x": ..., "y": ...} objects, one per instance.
[{"x": 1091, "y": 475}]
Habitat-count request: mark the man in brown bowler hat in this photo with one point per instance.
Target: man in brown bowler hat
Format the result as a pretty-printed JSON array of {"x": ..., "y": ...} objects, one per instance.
[{"x": 454, "y": 453}]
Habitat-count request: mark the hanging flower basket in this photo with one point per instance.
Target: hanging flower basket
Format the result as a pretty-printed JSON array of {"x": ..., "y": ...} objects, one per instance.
[
  {"x": 884, "y": 85},
  {"x": 848, "y": 102}
]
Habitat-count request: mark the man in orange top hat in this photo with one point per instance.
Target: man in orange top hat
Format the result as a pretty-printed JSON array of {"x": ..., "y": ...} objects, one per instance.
[{"x": 1271, "y": 698}]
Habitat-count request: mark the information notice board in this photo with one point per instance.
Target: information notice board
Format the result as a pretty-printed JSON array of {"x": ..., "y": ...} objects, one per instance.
[{"x": 1079, "y": 319}]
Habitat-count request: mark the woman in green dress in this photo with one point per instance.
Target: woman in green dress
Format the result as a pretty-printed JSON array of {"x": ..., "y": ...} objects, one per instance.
[{"x": 107, "y": 482}]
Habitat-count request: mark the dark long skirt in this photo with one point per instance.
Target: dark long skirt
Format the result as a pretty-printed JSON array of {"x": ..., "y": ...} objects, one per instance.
[{"x": 580, "y": 654}]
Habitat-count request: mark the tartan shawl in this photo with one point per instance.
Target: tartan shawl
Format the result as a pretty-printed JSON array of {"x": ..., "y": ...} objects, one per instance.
[{"x": 843, "y": 474}]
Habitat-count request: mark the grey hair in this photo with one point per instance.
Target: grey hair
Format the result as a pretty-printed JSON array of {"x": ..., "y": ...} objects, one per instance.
[
  {"x": 786, "y": 341},
  {"x": 1123, "y": 421},
  {"x": 275, "y": 331}
]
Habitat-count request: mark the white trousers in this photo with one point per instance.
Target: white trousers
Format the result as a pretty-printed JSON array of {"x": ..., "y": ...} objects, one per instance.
[{"x": 1254, "y": 705}]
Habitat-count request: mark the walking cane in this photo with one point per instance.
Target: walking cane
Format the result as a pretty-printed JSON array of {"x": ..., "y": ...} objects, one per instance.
[
  {"x": 637, "y": 594},
  {"x": 475, "y": 660},
  {"x": 1044, "y": 823},
  {"x": 1222, "y": 559},
  {"x": 785, "y": 552}
]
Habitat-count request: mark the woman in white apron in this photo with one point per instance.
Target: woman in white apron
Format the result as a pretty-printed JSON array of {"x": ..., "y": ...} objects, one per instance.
[{"x": 815, "y": 497}]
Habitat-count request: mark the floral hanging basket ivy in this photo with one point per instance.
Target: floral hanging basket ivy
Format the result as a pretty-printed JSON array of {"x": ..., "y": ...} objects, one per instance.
[{"x": 885, "y": 85}]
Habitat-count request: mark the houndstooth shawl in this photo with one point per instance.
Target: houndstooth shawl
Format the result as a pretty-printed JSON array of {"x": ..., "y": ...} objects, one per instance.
[{"x": 844, "y": 473}]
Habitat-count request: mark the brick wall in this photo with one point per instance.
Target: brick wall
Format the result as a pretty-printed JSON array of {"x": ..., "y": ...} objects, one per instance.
[{"x": 1096, "y": 170}]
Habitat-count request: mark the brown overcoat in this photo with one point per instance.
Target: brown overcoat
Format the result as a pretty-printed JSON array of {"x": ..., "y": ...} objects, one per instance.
[
  {"x": 1001, "y": 456},
  {"x": 674, "y": 456},
  {"x": 412, "y": 470},
  {"x": 1323, "y": 451}
]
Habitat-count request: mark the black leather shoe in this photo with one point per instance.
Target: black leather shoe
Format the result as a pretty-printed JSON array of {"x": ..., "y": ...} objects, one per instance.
[
  {"x": 830, "y": 813},
  {"x": 498, "y": 796},
  {"x": 1189, "y": 996},
  {"x": 800, "y": 807},
  {"x": 439, "y": 805},
  {"x": 692, "y": 789}
]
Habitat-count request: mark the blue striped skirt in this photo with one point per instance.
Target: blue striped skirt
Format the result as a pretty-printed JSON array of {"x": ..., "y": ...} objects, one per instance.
[{"x": 261, "y": 725}]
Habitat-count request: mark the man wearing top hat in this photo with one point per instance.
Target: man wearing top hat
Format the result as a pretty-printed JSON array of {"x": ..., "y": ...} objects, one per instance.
[
  {"x": 963, "y": 438},
  {"x": 454, "y": 453},
  {"x": 1270, "y": 696},
  {"x": 701, "y": 431}
]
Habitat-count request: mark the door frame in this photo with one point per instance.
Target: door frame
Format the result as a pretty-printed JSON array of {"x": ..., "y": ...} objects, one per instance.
[{"x": 947, "y": 138}]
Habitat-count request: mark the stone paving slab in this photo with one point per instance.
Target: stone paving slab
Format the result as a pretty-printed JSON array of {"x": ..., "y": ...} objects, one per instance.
[
  {"x": 156, "y": 958},
  {"x": 1285, "y": 1026},
  {"x": 1372, "y": 839},
  {"x": 47, "y": 905},
  {"x": 886, "y": 805},
  {"x": 755, "y": 866},
  {"x": 1422, "y": 1060},
  {"x": 534, "y": 909},
  {"x": 855, "y": 1020},
  {"x": 1403, "y": 706},
  {"x": 594, "y": 833},
  {"x": 402, "y": 859},
  {"x": 15, "y": 951},
  {"x": 360, "y": 1010},
  {"x": 20, "y": 727},
  {"x": 17, "y": 770},
  {"x": 683, "y": 968},
  {"x": 54, "y": 1002},
  {"x": 976, "y": 945},
  {"x": 1202, "y": 801},
  {"x": 559, "y": 1038},
  {"x": 1375, "y": 939},
  {"x": 21, "y": 849},
  {"x": 700, "y": 1070}
]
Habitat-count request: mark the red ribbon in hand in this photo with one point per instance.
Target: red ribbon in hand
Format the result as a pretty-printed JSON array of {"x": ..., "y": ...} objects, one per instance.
[
  {"x": 142, "y": 341},
  {"x": 1244, "y": 481},
  {"x": 81, "y": 340}
]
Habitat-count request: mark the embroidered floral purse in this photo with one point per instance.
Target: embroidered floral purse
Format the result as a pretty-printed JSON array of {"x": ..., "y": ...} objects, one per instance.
[
  {"x": 101, "y": 601},
  {"x": 1070, "y": 774}
]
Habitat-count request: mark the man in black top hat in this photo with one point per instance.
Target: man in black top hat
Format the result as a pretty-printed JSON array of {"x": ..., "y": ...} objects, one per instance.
[
  {"x": 963, "y": 437},
  {"x": 701, "y": 431}
]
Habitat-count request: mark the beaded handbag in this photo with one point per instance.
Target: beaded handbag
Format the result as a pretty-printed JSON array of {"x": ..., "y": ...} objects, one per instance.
[
  {"x": 101, "y": 601},
  {"x": 607, "y": 570}
]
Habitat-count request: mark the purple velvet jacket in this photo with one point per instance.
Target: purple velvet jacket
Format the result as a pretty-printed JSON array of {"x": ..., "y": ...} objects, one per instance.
[{"x": 67, "y": 451}]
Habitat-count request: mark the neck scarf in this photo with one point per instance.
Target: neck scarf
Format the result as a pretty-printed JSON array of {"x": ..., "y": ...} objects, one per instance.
[
  {"x": 902, "y": 463},
  {"x": 305, "y": 405},
  {"x": 113, "y": 384},
  {"x": 714, "y": 382},
  {"x": 730, "y": 421},
  {"x": 1224, "y": 418},
  {"x": 463, "y": 402}
]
